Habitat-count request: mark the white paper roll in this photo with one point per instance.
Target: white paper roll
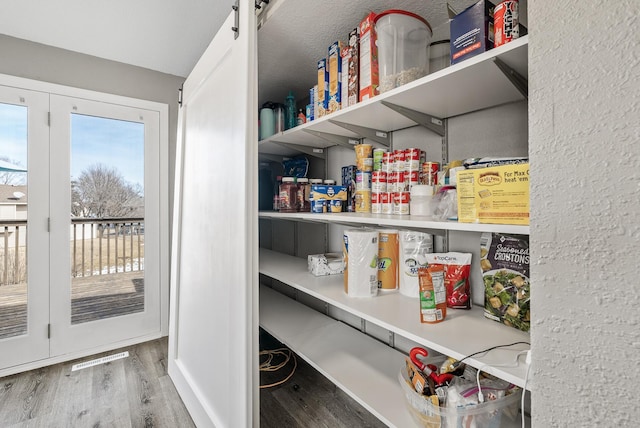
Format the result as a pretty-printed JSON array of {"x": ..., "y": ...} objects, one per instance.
[
  {"x": 361, "y": 262},
  {"x": 414, "y": 247}
]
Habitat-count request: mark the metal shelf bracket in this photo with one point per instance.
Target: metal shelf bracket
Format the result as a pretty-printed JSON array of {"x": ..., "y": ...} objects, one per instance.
[
  {"x": 516, "y": 79},
  {"x": 381, "y": 137},
  {"x": 340, "y": 140},
  {"x": 311, "y": 151},
  {"x": 432, "y": 123}
]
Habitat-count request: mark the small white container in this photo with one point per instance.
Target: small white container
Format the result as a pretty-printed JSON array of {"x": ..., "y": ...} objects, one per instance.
[{"x": 422, "y": 200}]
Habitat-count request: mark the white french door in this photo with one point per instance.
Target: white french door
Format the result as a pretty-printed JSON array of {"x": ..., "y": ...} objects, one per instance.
[
  {"x": 24, "y": 205},
  {"x": 96, "y": 141},
  {"x": 83, "y": 223}
]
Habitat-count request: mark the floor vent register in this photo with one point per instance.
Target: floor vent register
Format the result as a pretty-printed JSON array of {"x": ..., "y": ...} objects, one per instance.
[{"x": 99, "y": 361}]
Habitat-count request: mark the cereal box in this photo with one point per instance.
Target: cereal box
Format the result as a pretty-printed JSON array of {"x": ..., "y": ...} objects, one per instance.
[
  {"x": 353, "y": 68},
  {"x": 335, "y": 77},
  {"x": 498, "y": 195},
  {"x": 322, "y": 94},
  {"x": 344, "y": 97},
  {"x": 368, "y": 73},
  {"x": 471, "y": 31},
  {"x": 328, "y": 192}
]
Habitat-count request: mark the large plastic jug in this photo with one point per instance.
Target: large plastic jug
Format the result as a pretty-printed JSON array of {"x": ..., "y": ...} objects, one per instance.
[{"x": 403, "y": 47}]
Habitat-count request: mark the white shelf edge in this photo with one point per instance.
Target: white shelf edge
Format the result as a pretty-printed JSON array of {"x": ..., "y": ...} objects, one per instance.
[
  {"x": 386, "y": 220},
  {"x": 382, "y": 395},
  {"x": 387, "y": 312}
]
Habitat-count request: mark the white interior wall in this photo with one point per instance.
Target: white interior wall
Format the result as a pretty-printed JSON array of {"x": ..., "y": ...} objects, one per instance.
[{"x": 585, "y": 198}]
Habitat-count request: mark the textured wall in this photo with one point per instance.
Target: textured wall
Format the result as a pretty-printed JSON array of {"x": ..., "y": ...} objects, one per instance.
[{"x": 585, "y": 235}]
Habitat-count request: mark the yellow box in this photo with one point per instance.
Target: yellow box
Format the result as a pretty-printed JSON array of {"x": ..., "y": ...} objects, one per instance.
[{"x": 498, "y": 195}]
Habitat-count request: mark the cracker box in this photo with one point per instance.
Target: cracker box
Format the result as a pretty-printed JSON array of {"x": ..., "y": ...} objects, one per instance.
[
  {"x": 368, "y": 72},
  {"x": 327, "y": 192},
  {"x": 325, "y": 264},
  {"x": 344, "y": 96},
  {"x": 471, "y": 31},
  {"x": 349, "y": 181},
  {"x": 353, "y": 69},
  {"x": 335, "y": 77},
  {"x": 322, "y": 94},
  {"x": 312, "y": 104},
  {"x": 498, "y": 195}
]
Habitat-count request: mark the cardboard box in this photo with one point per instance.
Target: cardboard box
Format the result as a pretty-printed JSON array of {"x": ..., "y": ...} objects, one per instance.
[
  {"x": 322, "y": 94},
  {"x": 368, "y": 57},
  {"x": 353, "y": 69},
  {"x": 311, "y": 107},
  {"x": 325, "y": 264},
  {"x": 349, "y": 181},
  {"x": 498, "y": 195},
  {"x": 327, "y": 193},
  {"x": 471, "y": 31},
  {"x": 335, "y": 77},
  {"x": 344, "y": 79}
]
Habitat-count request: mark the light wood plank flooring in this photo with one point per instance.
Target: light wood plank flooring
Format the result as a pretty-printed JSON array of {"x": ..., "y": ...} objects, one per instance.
[
  {"x": 137, "y": 392},
  {"x": 130, "y": 392}
]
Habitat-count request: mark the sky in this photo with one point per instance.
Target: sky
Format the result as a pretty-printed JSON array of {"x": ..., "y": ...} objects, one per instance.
[{"x": 114, "y": 143}]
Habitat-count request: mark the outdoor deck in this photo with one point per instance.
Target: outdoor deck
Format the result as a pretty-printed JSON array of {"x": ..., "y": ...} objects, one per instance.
[{"x": 93, "y": 298}]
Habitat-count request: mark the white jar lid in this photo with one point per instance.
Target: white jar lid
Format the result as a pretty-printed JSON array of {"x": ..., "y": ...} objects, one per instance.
[
  {"x": 303, "y": 180},
  {"x": 287, "y": 179},
  {"x": 330, "y": 182},
  {"x": 422, "y": 190},
  {"x": 316, "y": 181}
]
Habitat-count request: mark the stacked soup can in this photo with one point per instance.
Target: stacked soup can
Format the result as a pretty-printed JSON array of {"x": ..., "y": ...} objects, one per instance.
[
  {"x": 393, "y": 175},
  {"x": 364, "y": 167}
]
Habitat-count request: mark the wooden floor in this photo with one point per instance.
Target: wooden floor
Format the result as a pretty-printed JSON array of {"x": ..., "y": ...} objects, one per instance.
[
  {"x": 137, "y": 392},
  {"x": 130, "y": 392},
  {"x": 93, "y": 298}
]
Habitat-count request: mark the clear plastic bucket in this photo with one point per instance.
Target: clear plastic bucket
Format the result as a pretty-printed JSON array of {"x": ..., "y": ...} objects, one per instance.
[{"x": 403, "y": 47}]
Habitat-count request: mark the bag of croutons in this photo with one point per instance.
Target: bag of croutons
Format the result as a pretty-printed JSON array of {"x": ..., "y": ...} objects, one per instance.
[{"x": 504, "y": 260}]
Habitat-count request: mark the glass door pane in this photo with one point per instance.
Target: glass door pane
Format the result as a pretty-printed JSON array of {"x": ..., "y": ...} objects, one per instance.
[
  {"x": 13, "y": 220},
  {"x": 107, "y": 218}
]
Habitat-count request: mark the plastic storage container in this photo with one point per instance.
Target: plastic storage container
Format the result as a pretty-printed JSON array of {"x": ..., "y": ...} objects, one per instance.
[
  {"x": 421, "y": 200},
  {"x": 439, "y": 55},
  {"x": 403, "y": 47},
  {"x": 487, "y": 414}
]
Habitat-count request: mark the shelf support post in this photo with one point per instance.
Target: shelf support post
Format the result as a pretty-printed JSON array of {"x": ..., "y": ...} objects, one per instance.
[
  {"x": 311, "y": 151},
  {"x": 381, "y": 137},
  {"x": 335, "y": 139},
  {"x": 432, "y": 123},
  {"x": 363, "y": 325},
  {"x": 520, "y": 83},
  {"x": 392, "y": 339}
]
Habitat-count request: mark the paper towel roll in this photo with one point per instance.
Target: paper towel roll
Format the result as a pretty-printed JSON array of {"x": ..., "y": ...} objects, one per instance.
[
  {"x": 360, "y": 248},
  {"x": 413, "y": 249}
]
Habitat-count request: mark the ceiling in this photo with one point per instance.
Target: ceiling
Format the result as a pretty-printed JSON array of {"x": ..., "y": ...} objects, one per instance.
[{"x": 163, "y": 35}]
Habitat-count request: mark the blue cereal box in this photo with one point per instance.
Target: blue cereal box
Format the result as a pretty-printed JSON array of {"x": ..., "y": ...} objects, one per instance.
[
  {"x": 335, "y": 77},
  {"x": 322, "y": 94},
  {"x": 471, "y": 31}
]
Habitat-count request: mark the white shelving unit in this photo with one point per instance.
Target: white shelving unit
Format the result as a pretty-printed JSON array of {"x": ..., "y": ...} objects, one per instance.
[
  {"x": 362, "y": 366},
  {"x": 463, "y": 332}
]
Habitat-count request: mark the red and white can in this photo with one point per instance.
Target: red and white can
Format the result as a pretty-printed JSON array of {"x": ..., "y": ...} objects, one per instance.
[
  {"x": 429, "y": 174},
  {"x": 412, "y": 159},
  {"x": 387, "y": 205},
  {"x": 387, "y": 162},
  {"x": 399, "y": 160},
  {"x": 392, "y": 181},
  {"x": 379, "y": 181},
  {"x": 411, "y": 178},
  {"x": 400, "y": 201},
  {"x": 376, "y": 203},
  {"x": 505, "y": 22}
]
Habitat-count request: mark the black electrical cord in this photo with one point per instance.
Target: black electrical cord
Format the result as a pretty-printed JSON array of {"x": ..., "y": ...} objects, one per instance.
[{"x": 457, "y": 364}]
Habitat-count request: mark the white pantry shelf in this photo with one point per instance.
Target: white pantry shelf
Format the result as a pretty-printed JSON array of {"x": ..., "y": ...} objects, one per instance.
[
  {"x": 400, "y": 221},
  {"x": 461, "y": 334},
  {"x": 474, "y": 84}
]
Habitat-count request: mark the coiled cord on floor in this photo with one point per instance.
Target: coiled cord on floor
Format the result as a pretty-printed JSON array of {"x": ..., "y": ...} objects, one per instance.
[{"x": 266, "y": 366}]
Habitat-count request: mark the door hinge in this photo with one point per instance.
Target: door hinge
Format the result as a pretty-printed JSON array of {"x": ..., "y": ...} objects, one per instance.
[
  {"x": 180, "y": 96},
  {"x": 236, "y": 26},
  {"x": 48, "y": 118},
  {"x": 48, "y": 331}
]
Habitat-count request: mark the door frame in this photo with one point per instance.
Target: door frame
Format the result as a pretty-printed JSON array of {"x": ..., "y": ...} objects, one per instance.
[{"x": 163, "y": 110}]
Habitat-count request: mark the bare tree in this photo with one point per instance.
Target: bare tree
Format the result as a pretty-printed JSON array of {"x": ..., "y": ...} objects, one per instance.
[
  {"x": 11, "y": 177},
  {"x": 102, "y": 192}
]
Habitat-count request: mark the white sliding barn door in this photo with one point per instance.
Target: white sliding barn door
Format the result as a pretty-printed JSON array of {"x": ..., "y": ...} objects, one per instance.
[{"x": 213, "y": 338}]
